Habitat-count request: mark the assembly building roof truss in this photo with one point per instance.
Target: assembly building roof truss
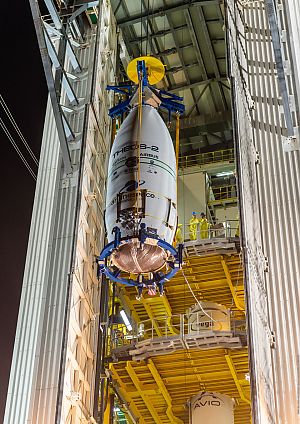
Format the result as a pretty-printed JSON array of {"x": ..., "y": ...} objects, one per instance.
[{"x": 189, "y": 38}]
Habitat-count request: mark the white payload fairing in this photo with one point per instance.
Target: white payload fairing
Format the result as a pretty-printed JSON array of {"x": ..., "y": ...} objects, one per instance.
[
  {"x": 141, "y": 201},
  {"x": 212, "y": 408},
  {"x": 141, "y": 189}
]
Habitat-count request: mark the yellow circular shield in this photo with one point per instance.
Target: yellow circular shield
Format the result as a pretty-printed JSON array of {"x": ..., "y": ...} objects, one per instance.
[{"x": 155, "y": 69}]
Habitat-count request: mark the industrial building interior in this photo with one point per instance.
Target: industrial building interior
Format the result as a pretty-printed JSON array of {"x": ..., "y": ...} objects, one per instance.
[
  {"x": 157, "y": 363},
  {"x": 99, "y": 346},
  {"x": 144, "y": 348}
]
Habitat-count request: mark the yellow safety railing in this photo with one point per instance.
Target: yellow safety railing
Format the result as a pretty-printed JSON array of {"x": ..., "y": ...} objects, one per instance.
[
  {"x": 200, "y": 159},
  {"x": 228, "y": 228},
  {"x": 225, "y": 192}
]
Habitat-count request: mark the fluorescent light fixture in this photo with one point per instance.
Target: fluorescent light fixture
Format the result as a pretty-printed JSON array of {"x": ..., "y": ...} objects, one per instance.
[
  {"x": 224, "y": 174},
  {"x": 126, "y": 320}
]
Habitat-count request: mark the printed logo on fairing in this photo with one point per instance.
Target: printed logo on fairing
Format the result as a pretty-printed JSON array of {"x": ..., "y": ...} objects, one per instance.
[
  {"x": 132, "y": 185},
  {"x": 207, "y": 403},
  {"x": 208, "y": 400},
  {"x": 131, "y": 162},
  {"x": 131, "y": 196},
  {"x": 131, "y": 147}
]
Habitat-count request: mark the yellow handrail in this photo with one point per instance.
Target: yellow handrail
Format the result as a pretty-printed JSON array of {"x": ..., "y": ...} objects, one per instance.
[{"x": 206, "y": 158}]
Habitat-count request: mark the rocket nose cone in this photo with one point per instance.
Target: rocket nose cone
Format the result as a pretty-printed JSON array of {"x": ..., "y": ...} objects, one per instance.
[{"x": 136, "y": 259}]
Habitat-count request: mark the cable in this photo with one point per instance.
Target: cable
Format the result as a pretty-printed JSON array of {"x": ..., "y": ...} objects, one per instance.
[
  {"x": 140, "y": 119},
  {"x": 191, "y": 290},
  {"x": 152, "y": 26},
  {"x": 9, "y": 136},
  {"x": 147, "y": 28},
  {"x": 18, "y": 131},
  {"x": 177, "y": 144},
  {"x": 141, "y": 42}
]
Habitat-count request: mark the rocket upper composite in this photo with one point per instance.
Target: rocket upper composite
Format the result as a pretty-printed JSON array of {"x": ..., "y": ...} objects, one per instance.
[
  {"x": 141, "y": 200},
  {"x": 149, "y": 200}
]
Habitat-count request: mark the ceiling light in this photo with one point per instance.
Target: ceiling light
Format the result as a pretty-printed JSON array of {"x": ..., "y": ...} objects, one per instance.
[
  {"x": 224, "y": 174},
  {"x": 126, "y": 320}
]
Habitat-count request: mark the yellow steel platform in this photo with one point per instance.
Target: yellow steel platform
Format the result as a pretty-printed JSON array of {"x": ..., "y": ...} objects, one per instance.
[
  {"x": 157, "y": 390},
  {"x": 216, "y": 279}
]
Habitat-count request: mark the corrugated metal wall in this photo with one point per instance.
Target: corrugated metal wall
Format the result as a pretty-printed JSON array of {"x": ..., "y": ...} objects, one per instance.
[
  {"x": 277, "y": 178},
  {"x": 54, "y": 359},
  {"x": 256, "y": 296}
]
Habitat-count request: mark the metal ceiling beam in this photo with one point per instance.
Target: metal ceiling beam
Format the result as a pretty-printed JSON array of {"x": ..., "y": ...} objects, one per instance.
[
  {"x": 160, "y": 34},
  {"x": 193, "y": 36},
  {"x": 129, "y": 31},
  {"x": 173, "y": 50},
  {"x": 164, "y": 11},
  {"x": 155, "y": 50},
  {"x": 199, "y": 53},
  {"x": 180, "y": 68},
  {"x": 218, "y": 40},
  {"x": 203, "y": 120},
  {"x": 220, "y": 15},
  {"x": 207, "y": 126},
  {"x": 149, "y": 30},
  {"x": 179, "y": 52},
  {"x": 211, "y": 52},
  {"x": 206, "y": 130},
  {"x": 228, "y": 145},
  {"x": 157, "y": 34},
  {"x": 198, "y": 100},
  {"x": 155, "y": 41},
  {"x": 176, "y": 88},
  {"x": 117, "y": 8}
]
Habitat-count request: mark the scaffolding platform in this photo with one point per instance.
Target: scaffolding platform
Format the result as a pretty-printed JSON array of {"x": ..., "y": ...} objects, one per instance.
[
  {"x": 165, "y": 345},
  {"x": 213, "y": 246}
]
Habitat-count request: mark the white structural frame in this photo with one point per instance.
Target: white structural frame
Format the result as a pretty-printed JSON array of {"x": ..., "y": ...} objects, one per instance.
[{"x": 53, "y": 370}]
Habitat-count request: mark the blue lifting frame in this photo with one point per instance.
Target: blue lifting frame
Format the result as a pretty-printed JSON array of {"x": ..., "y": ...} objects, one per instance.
[
  {"x": 169, "y": 101},
  {"x": 158, "y": 279}
]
